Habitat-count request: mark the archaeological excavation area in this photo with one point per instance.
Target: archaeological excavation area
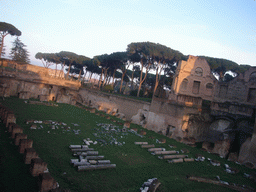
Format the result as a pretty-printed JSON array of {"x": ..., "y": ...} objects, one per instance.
[{"x": 49, "y": 146}]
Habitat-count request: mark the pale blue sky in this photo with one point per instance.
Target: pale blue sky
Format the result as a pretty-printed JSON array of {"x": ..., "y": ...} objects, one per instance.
[{"x": 215, "y": 28}]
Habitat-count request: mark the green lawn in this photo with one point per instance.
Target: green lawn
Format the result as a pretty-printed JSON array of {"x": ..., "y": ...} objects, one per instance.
[{"x": 134, "y": 164}]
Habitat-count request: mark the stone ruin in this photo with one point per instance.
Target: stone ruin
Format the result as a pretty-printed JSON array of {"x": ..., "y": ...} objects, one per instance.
[{"x": 198, "y": 106}]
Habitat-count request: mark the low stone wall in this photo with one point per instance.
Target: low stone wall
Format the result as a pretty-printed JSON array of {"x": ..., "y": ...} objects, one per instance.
[{"x": 109, "y": 102}]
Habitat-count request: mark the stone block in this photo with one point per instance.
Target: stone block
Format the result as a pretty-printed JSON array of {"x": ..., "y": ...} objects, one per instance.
[
  {"x": 10, "y": 119},
  {"x": 46, "y": 182},
  {"x": 233, "y": 157},
  {"x": 16, "y": 129},
  {"x": 222, "y": 147},
  {"x": 18, "y": 137},
  {"x": 11, "y": 125},
  {"x": 37, "y": 166},
  {"x": 3, "y": 110},
  {"x": 29, "y": 154},
  {"x": 108, "y": 111},
  {"x": 143, "y": 132},
  {"x": 24, "y": 144},
  {"x": 127, "y": 124},
  {"x": 6, "y": 112}
]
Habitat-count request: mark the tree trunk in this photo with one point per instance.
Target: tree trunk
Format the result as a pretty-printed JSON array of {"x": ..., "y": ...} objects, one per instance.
[
  {"x": 114, "y": 74},
  {"x": 105, "y": 76},
  {"x": 142, "y": 80},
  {"x": 84, "y": 76},
  {"x": 79, "y": 76},
  {"x": 125, "y": 85},
  {"x": 2, "y": 44},
  {"x": 132, "y": 79},
  {"x": 68, "y": 70},
  {"x": 121, "y": 85},
  {"x": 90, "y": 76},
  {"x": 100, "y": 77},
  {"x": 56, "y": 70},
  {"x": 62, "y": 68},
  {"x": 157, "y": 77}
]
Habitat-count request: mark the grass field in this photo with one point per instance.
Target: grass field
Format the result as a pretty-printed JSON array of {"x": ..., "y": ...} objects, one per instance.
[{"x": 135, "y": 165}]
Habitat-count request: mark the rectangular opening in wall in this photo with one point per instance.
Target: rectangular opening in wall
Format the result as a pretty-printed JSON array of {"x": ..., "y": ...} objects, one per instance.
[
  {"x": 252, "y": 95},
  {"x": 196, "y": 87}
]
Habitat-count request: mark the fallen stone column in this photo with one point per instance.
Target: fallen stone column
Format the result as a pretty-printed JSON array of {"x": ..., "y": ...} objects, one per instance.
[
  {"x": 72, "y": 161},
  {"x": 141, "y": 143},
  {"x": 29, "y": 154},
  {"x": 25, "y": 143},
  {"x": 103, "y": 162},
  {"x": 37, "y": 166},
  {"x": 94, "y": 157},
  {"x": 46, "y": 182},
  {"x": 75, "y": 146},
  {"x": 84, "y": 154},
  {"x": 176, "y": 161},
  {"x": 155, "y": 149},
  {"x": 93, "y": 162},
  {"x": 147, "y": 146},
  {"x": 165, "y": 152},
  {"x": 18, "y": 137},
  {"x": 83, "y": 163},
  {"x": 16, "y": 129},
  {"x": 82, "y": 150},
  {"x": 188, "y": 159},
  {"x": 93, "y": 167},
  {"x": 174, "y": 156}
]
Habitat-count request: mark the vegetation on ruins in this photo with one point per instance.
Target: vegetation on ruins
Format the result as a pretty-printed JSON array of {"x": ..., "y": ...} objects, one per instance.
[
  {"x": 152, "y": 56},
  {"x": 63, "y": 58},
  {"x": 18, "y": 52},
  {"x": 7, "y": 29},
  {"x": 147, "y": 66},
  {"x": 134, "y": 165},
  {"x": 222, "y": 66}
]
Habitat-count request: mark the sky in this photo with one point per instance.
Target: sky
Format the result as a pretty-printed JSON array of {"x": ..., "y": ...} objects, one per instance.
[{"x": 215, "y": 28}]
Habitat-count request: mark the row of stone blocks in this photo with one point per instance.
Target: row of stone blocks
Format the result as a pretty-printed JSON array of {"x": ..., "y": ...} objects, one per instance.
[{"x": 37, "y": 166}]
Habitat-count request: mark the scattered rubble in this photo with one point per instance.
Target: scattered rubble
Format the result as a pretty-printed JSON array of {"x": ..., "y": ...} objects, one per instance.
[{"x": 150, "y": 185}]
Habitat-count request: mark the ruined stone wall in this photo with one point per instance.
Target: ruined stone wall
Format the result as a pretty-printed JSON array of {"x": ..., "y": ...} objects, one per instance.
[
  {"x": 241, "y": 89},
  {"x": 128, "y": 107},
  {"x": 32, "y": 68},
  {"x": 176, "y": 120},
  {"x": 28, "y": 84}
]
